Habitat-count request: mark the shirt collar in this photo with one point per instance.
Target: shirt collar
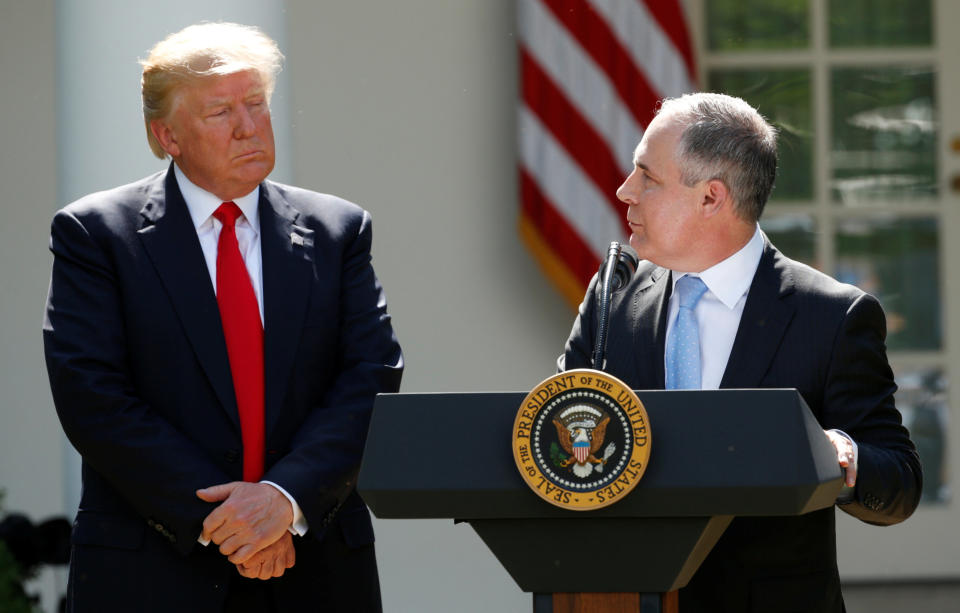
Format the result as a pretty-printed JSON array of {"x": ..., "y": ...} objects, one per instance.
[
  {"x": 730, "y": 279},
  {"x": 202, "y": 203}
]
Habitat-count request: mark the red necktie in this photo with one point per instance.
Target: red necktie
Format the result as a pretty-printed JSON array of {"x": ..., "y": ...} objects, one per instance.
[{"x": 243, "y": 331}]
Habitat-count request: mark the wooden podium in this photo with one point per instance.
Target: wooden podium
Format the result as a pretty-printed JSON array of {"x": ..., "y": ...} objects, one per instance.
[{"x": 715, "y": 454}]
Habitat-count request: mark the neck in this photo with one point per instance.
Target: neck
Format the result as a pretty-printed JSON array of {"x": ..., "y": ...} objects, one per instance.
[{"x": 730, "y": 238}]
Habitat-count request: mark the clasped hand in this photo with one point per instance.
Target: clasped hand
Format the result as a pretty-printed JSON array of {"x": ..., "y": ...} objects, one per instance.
[{"x": 250, "y": 527}]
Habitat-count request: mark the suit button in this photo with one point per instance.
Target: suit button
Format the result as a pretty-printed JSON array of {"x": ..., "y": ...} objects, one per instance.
[{"x": 232, "y": 456}]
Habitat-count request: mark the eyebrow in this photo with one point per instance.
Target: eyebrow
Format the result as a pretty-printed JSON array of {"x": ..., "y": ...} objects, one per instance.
[
  {"x": 215, "y": 103},
  {"x": 644, "y": 167},
  {"x": 225, "y": 100}
]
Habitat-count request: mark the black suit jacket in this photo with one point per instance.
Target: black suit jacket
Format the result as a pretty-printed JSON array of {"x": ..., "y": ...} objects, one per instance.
[
  {"x": 800, "y": 329},
  {"x": 141, "y": 381}
]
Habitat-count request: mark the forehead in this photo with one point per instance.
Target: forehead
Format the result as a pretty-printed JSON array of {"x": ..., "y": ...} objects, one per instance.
[
  {"x": 210, "y": 89},
  {"x": 658, "y": 146}
]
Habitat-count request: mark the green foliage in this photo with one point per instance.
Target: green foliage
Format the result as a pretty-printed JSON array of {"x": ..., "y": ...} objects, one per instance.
[
  {"x": 880, "y": 23},
  {"x": 750, "y": 25},
  {"x": 12, "y": 598},
  {"x": 557, "y": 456}
]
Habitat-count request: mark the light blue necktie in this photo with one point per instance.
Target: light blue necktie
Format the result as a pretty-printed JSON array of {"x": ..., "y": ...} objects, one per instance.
[{"x": 683, "y": 346}]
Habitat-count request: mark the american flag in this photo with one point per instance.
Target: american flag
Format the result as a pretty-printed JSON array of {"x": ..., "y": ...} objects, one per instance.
[
  {"x": 591, "y": 74},
  {"x": 581, "y": 449}
]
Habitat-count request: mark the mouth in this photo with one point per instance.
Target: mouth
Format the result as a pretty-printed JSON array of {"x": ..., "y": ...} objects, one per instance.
[{"x": 246, "y": 157}]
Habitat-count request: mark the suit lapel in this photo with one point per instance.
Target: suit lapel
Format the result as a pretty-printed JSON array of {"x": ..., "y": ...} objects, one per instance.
[
  {"x": 763, "y": 323},
  {"x": 288, "y": 274},
  {"x": 650, "y": 318},
  {"x": 170, "y": 239}
]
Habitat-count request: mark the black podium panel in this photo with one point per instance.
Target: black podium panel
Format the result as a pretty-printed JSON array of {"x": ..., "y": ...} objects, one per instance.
[
  {"x": 720, "y": 452},
  {"x": 605, "y": 555},
  {"x": 714, "y": 454}
]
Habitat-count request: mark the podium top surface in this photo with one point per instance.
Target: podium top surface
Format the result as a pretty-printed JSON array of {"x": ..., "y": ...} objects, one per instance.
[{"x": 713, "y": 452}]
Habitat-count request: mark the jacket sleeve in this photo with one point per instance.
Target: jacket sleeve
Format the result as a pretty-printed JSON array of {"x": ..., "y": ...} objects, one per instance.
[
  {"x": 154, "y": 467},
  {"x": 858, "y": 399},
  {"x": 321, "y": 466},
  {"x": 578, "y": 352}
]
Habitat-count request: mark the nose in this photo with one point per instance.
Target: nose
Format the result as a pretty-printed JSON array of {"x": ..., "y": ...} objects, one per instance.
[
  {"x": 245, "y": 126},
  {"x": 626, "y": 192}
]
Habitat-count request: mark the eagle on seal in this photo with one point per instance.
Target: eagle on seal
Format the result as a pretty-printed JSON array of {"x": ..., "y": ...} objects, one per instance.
[{"x": 582, "y": 444}]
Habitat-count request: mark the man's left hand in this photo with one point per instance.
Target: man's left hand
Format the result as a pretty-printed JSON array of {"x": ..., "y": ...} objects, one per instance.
[
  {"x": 252, "y": 517},
  {"x": 844, "y": 455},
  {"x": 272, "y": 561}
]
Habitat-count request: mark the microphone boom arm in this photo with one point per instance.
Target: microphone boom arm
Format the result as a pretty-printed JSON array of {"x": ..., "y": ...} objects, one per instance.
[{"x": 614, "y": 274}]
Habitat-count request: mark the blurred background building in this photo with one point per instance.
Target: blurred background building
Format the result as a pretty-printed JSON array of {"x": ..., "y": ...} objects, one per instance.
[{"x": 411, "y": 109}]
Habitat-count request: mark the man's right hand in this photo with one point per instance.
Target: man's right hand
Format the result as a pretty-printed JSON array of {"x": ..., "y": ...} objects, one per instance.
[
  {"x": 272, "y": 561},
  {"x": 252, "y": 516}
]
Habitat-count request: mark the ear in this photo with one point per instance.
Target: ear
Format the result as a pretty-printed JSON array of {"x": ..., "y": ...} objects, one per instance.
[
  {"x": 716, "y": 197},
  {"x": 166, "y": 136}
]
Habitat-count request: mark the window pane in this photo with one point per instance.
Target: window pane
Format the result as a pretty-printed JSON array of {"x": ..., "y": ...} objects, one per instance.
[
  {"x": 884, "y": 134},
  {"x": 922, "y": 398},
  {"x": 793, "y": 235},
  {"x": 896, "y": 261},
  {"x": 783, "y": 97},
  {"x": 740, "y": 25},
  {"x": 880, "y": 23}
]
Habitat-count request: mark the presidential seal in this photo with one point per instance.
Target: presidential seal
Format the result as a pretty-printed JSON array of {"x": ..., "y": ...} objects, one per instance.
[{"x": 581, "y": 440}]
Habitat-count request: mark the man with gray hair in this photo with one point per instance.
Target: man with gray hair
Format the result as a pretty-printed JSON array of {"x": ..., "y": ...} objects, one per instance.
[
  {"x": 214, "y": 342},
  {"x": 716, "y": 305}
]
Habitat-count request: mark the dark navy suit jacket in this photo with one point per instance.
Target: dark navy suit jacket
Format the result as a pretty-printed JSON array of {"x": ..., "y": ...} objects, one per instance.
[
  {"x": 800, "y": 329},
  {"x": 141, "y": 381}
]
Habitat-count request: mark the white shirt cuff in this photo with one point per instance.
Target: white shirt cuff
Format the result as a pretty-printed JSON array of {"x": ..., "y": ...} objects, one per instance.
[{"x": 299, "y": 526}]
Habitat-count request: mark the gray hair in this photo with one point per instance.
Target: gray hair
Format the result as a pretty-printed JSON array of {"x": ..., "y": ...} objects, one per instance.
[
  {"x": 199, "y": 51},
  {"x": 727, "y": 139}
]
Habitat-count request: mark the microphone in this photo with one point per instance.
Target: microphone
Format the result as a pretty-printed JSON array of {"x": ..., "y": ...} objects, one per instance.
[
  {"x": 625, "y": 267},
  {"x": 615, "y": 272}
]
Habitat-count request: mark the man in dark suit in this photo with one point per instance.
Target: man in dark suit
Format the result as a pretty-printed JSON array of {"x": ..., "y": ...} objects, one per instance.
[
  {"x": 214, "y": 343},
  {"x": 715, "y": 305}
]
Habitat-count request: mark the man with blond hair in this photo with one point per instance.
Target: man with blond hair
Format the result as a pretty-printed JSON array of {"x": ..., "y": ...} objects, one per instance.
[
  {"x": 716, "y": 305},
  {"x": 214, "y": 342}
]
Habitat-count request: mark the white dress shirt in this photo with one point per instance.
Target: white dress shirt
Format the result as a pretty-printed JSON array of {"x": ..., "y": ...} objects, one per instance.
[
  {"x": 201, "y": 204},
  {"x": 718, "y": 316},
  {"x": 718, "y": 311}
]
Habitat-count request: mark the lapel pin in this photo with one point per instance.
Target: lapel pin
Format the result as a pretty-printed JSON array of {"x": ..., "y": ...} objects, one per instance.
[{"x": 296, "y": 239}]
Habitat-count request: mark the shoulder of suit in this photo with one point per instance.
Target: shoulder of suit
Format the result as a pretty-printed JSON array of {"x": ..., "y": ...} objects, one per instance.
[
  {"x": 113, "y": 206},
  {"x": 310, "y": 202},
  {"x": 647, "y": 273},
  {"x": 808, "y": 283},
  {"x": 646, "y": 268}
]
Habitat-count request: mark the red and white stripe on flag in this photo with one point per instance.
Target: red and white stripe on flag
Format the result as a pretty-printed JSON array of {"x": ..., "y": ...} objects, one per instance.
[
  {"x": 581, "y": 452},
  {"x": 591, "y": 73}
]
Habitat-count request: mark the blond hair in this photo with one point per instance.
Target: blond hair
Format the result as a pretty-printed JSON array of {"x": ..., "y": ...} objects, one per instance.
[{"x": 199, "y": 51}]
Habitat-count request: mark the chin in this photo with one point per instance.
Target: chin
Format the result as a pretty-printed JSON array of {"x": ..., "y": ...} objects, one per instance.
[{"x": 256, "y": 173}]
